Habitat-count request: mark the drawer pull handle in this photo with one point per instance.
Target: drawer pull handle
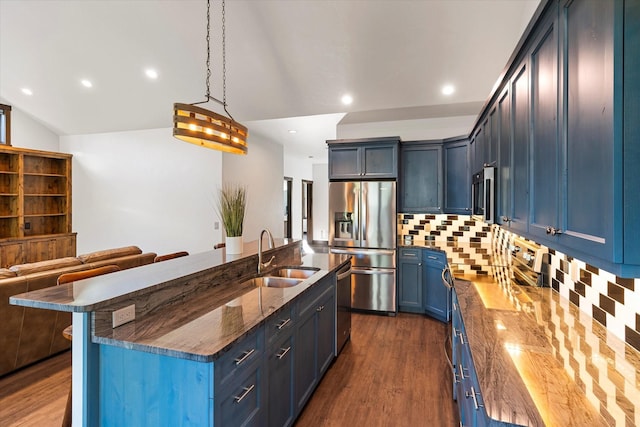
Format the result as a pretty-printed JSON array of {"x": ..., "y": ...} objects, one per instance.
[
  {"x": 473, "y": 395},
  {"x": 320, "y": 308},
  {"x": 245, "y": 356},
  {"x": 462, "y": 369},
  {"x": 459, "y": 333},
  {"x": 244, "y": 394},
  {"x": 283, "y": 323},
  {"x": 284, "y": 352}
]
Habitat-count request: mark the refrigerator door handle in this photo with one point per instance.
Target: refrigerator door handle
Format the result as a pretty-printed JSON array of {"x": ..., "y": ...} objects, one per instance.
[
  {"x": 371, "y": 271},
  {"x": 361, "y": 251}
]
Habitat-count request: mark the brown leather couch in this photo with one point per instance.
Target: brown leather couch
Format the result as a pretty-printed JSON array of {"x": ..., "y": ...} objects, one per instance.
[{"x": 28, "y": 334}]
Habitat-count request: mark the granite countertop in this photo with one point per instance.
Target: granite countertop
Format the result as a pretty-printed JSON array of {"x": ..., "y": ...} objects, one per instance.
[
  {"x": 542, "y": 362},
  {"x": 201, "y": 329},
  {"x": 93, "y": 293}
]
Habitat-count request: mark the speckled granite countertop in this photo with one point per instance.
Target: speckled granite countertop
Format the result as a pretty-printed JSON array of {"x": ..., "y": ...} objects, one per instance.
[
  {"x": 542, "y": 362},
  {"x": 203, "y": 328},
  {"x": 179, "y": 312}
]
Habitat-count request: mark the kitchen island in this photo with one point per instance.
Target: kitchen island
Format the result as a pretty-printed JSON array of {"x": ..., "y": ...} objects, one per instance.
[{"x": 197, "y": 336}]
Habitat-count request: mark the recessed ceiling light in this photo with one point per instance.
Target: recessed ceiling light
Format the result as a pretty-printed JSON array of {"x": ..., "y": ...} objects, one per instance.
[
  {"x": 27, "y": 91},
  {"x": 347, "y": 99},
  {"x": 292, "y": 131},
  {"x": 86, "y": 83},
  {"x": 151, "y": 73},
  {"x": 448, "y": 89}
]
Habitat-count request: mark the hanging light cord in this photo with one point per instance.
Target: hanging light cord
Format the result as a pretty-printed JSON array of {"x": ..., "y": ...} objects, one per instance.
[{"x": 224, "y": 61}]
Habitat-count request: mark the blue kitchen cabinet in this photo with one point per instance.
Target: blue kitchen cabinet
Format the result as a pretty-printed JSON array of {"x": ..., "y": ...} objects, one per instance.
[
  {"x": 503, "y": 180},
  {"x": 436, "y": 295},
  {"x": 355, "y": 159},
  {"x": 466, "y": 387},
  {"x": 545, "y": 148},
  {"x": 410, "y": 280},
  {"x": 279, "y": 331},
  {"x": 492, "y": 131},
  {"x": 315, "y": 339},
  {"x": 520, "y": 150},
  {"x": 421, "y": 177},
  {"x": 457, "y": 180},
  {"x": 567, "y": 157},
  {"x": 263, "y": 379},
  {"x": 420, "y": 283},
  {"x": 478, "y": 158}
]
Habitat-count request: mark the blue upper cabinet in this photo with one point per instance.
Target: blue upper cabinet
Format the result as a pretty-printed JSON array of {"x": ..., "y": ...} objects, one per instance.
[
  {"x": 589, "y": 137},
  {"x": 545, "y": 148},
  {"x": 356, "y": 159},
  {"x": 457, "y": 190},
  {"x": 421, "y": 179},
  {"x": 567, "y": 133},
  {"x": 503, "y": 180},
  {"x": 520, "y": 149}
]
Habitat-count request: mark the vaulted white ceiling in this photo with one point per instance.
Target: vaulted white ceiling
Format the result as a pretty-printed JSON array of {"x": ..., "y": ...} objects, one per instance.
[{"x": 285, "y": 58}]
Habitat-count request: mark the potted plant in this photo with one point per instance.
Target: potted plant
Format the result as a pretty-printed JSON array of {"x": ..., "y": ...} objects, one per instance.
[{"x": 232, "y": 201}]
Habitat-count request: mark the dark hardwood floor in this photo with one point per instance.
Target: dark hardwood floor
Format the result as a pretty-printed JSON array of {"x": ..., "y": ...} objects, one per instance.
[
  {"x": 36, "y": 395},
  {"x": 393, "y": 372}
]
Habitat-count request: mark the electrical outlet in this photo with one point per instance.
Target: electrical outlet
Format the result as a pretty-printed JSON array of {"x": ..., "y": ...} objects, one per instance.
[
  {"x": 216, "y": 225},
  {"x": 124, "y": 315}
]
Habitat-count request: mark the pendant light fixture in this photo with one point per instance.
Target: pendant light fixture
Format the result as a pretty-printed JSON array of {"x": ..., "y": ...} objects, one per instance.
[{"x": 203, "y": 127}]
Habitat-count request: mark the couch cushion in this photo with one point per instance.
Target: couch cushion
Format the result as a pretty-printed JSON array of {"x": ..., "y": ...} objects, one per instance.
[
  {"x": 52, "y": 264},
  {"x": 109, "y": 253},
  {"x": 5, "y": 273}
]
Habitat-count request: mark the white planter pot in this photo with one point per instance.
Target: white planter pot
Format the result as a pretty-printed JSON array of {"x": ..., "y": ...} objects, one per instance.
[{"x": 233, "y": 245}]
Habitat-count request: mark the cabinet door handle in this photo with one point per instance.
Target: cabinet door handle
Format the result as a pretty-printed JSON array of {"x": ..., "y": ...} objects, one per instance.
[
  {"x": 245, "y": 356},
  {"x": 462, "y": 369},
  {"x": 419, "y": 264},
  {"x": 283, "y": 323},
  {"x": 284, "y": 352},
  {"x": 320, "y": 308},
  {"x": 244, "y": 394},
  {"x": 473, "y": 396}
]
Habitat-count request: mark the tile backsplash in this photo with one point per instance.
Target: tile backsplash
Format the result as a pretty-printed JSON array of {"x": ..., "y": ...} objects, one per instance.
[{"x": 612, "y": 301}]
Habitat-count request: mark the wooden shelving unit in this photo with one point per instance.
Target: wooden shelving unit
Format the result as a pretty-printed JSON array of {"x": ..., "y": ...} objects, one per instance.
[{"x": 35, "y": 206}]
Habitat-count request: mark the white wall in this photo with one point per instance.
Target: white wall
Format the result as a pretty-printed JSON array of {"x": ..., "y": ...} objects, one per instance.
[
  {"x": 27, "y": 132},
  {"x": 143, "y": 188},
  {"x": 410, "y": 130},
  {"x": 262, "y": 171},
  {"x": 321, "y": 202},
  {"x": 298, "y": 169}
]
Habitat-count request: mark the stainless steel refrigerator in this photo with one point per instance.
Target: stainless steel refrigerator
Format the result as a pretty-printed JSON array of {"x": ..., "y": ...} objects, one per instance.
[{"x": 362, "y": 223}]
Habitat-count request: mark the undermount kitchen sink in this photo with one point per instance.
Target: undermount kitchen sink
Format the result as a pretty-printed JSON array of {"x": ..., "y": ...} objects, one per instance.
[
  {"x": 284, "y": 277},
  {"x": 294, "y": 273},
  {"x": 275, "y": 282}
]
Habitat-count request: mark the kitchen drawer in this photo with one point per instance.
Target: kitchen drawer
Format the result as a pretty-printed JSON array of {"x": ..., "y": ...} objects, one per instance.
[
  {"x": 410, "y": 253},
  {"x": 309, "y": 300},
  {"x": 240, "y": 402},
  {"x": 279, "y": 325},
  {"x": 240, "y": 357}
]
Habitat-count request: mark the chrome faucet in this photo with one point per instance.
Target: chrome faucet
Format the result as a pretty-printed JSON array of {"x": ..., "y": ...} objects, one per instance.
[{"x": 261, "y": 265}]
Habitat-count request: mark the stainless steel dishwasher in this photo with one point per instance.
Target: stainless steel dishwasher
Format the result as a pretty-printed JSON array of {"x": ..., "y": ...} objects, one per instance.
[{"x": 343, "y": 312}]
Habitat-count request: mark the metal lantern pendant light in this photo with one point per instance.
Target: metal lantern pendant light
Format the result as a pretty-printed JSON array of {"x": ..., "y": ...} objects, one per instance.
[{"x": 206, "y": 128}]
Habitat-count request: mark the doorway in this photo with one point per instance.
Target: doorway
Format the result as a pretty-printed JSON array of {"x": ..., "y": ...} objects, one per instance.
[
  {"x": 287, "y": 188},
  {"x": 307, "y": 211}
]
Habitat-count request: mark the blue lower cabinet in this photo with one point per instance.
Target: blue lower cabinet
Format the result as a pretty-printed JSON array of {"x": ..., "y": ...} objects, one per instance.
[
  {"x": 437, "y": 296},
  {"x": 466, "y": 387},
  {"x": 241, "y": 402},
  {"x": 420, "y": 286},
  {"x": 252, "y": 384},
  {"x": 280, "y": 369},
  {"x": 138, "y": 389},
  {"x": 315, "y": 340}
]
